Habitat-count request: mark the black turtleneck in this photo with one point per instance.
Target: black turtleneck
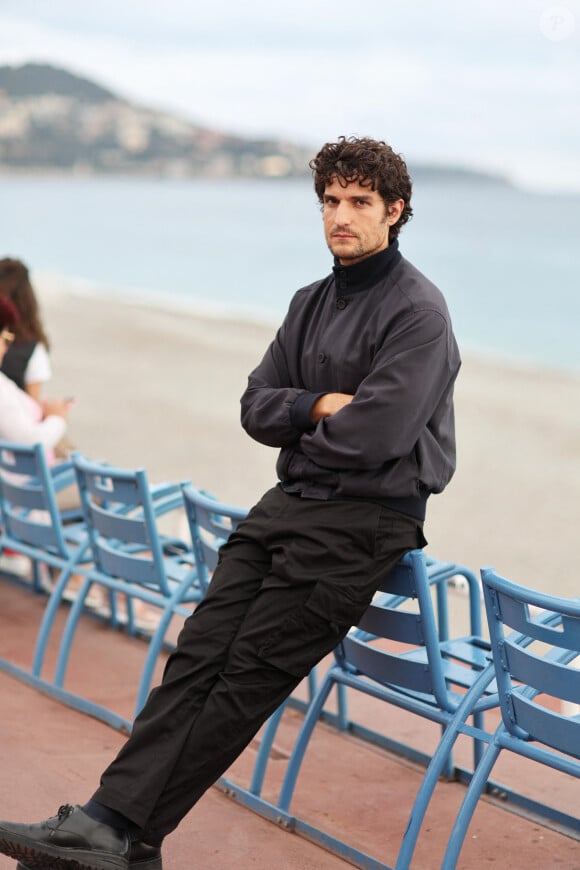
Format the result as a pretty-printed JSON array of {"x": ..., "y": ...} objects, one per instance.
[{"x": 364, "y": 275}]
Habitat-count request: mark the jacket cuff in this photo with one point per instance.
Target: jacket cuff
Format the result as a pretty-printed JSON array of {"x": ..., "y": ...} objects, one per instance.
[{"x": 300, "y": 410}]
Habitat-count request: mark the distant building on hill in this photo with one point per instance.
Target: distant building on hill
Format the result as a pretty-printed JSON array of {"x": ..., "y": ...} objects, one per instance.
[{"x": 51, "y": 119}]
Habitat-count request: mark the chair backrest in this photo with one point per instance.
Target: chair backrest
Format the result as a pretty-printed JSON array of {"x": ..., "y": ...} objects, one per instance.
[
  {"x": 547, "y": 663},
  {"x": 415, "y": 628},
  {"x": 120, "y": 519},
  {"x": 28, "y": 509},
  {"x": 210, "y": 524}
]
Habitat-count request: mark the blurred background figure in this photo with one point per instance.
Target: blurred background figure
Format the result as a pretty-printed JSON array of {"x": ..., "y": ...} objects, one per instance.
[
  {"x": 23, "y": 419},
  {"x": 26, "y": 362}
]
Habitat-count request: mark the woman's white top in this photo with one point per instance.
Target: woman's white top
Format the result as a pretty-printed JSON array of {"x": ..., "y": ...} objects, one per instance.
[
  {"x": 38, "y": 370},
  {"x": 21, "y": 418}
]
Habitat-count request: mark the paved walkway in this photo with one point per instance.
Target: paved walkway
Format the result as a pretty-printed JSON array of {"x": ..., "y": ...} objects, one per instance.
[{"x": 51, "y": 755}]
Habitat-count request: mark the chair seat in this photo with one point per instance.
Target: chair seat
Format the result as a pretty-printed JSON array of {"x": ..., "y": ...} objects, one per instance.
[{"x": 454, "y": 674}]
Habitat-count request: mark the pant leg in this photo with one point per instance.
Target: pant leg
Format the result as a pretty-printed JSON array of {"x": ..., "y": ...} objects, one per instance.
[
  {"x": 134, "y": 781},
  {"x": 327, "y": 562}
]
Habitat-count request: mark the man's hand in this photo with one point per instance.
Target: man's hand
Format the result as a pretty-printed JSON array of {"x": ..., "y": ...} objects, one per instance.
[{"x": 329, "y": 404}]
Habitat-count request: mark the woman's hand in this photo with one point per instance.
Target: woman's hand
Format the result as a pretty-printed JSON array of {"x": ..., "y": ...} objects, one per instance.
[{"x": 56, "y": 407}]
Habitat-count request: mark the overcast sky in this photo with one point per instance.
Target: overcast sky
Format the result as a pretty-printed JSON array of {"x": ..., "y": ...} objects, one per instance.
[{"x": 483, "y": 83}]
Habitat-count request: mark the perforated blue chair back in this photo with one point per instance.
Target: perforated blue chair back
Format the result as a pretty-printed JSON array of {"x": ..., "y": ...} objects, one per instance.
[
  {"x": 210, "y": 523},
  {"x": 28, "y": 508},
  {"x": 549, "y": 664}
]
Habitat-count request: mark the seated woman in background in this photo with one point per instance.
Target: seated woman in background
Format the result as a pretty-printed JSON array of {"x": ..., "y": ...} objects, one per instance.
[
  {"x": 26, "y": 362},
  {"x": 23, "y": 420}
]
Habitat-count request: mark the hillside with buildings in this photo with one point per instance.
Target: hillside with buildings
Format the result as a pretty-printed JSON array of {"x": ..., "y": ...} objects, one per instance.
[{"x": 51, "y": 119}]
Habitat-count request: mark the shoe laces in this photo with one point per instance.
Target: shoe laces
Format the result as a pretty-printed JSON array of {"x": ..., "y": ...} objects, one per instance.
[{"x": 64, "y": 812}]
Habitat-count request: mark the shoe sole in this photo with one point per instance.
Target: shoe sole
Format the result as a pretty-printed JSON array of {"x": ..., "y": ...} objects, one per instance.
[
  {"x": 52, "y": 856},
  {"x": 145, "y": 864}
]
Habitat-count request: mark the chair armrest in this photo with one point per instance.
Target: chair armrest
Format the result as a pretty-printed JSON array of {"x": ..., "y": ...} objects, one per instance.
[
  {"x": 170, "y": 501},
  {"x": 440, "y": 574},
  {"x": 161, "y": 490},
  {"x": 62, "y": 475}
]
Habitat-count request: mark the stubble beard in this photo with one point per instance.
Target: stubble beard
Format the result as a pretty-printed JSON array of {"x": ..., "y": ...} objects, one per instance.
[
  {"x": 363, "y": 249},
  {"x": 360, "y": 251},
  {"x": 350, "y": 253}
]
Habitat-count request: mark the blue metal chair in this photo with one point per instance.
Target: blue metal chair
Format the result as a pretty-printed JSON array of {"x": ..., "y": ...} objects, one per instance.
[
  {"x": 530, "y": 675},
  {"x": 431, "y": 678},
  {"x": 130, "y": 557},
  {"x": 210, "y": 525},
  {"x": 438, "y": 574},
  {"x": 30, "y": 521}
]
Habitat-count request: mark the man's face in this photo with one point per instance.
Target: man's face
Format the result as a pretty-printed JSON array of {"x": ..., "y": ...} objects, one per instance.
[{"x": 356, "y": 224}]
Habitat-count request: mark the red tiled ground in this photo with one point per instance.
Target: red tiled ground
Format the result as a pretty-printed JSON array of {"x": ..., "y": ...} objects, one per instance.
[{"x": 52, "y": 755}]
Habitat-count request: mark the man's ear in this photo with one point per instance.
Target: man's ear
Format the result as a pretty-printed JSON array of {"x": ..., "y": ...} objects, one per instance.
[{"x": 394, "y": 211}]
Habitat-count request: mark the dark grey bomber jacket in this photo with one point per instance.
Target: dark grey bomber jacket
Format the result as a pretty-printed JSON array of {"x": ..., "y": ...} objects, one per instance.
[{"x": 381, "y": 331}]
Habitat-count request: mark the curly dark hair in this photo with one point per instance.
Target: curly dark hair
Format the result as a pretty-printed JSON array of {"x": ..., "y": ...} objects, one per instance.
[
  {"x": 373, "y": 164},
  {"x": 15, "y": 285}
]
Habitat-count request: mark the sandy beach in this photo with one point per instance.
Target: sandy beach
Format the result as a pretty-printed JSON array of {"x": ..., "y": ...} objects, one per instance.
[{"x": 161, "y": 390}]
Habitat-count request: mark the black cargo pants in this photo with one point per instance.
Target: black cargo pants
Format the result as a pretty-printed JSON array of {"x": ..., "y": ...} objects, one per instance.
[{"x": 289, "y": 584}]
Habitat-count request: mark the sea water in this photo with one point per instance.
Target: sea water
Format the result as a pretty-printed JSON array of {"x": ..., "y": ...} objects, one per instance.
[{"x": 507, "y": 260}]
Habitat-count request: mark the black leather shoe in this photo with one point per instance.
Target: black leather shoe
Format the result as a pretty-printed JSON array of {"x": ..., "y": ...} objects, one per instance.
[
  {"x": 141, "y": 857},
  {"x": 70, "y": 838}
]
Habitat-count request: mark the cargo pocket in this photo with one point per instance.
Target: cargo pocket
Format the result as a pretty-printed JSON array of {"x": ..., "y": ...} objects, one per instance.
[{"x": 311, "y": 630}]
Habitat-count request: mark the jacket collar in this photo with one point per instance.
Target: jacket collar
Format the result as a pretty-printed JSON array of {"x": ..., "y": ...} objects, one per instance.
[{"x": 364, "y": 275}]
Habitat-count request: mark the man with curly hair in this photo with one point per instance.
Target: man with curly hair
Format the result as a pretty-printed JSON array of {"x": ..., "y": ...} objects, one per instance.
[{"x": 356, "y": 392}]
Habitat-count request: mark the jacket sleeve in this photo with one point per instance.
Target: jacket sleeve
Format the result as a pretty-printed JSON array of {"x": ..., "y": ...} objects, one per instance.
[
  {"x": 274, "y": 411},
  {"x": 394, "y": 403}
]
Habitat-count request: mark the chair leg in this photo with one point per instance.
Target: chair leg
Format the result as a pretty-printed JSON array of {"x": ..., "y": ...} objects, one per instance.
[
  {"x": 437, "y": 766},
  {"x": 342, "y": 707},
  {"x": 264, "y": 751},
  {"x": 131, "y": 627},
  {"x": 423, "y": 798},
  {"x": 310, "y": 720},
  {"x": 157, "y": 639},
  {"x": 50, "y": 611},
  {"x": 114, "y": 620},
  {"x": 36, "y": 577},
  {"x": 478, "y": 745},
  {"x": 68, "y": 633},
  {"x": 468, "y": 806},
  {"x": 152, "y": 655},
  {"x": 312, "y": 684}
]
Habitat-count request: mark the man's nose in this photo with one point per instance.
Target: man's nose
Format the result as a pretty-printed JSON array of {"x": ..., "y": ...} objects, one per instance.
[{"x": 342, "y": 213}]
